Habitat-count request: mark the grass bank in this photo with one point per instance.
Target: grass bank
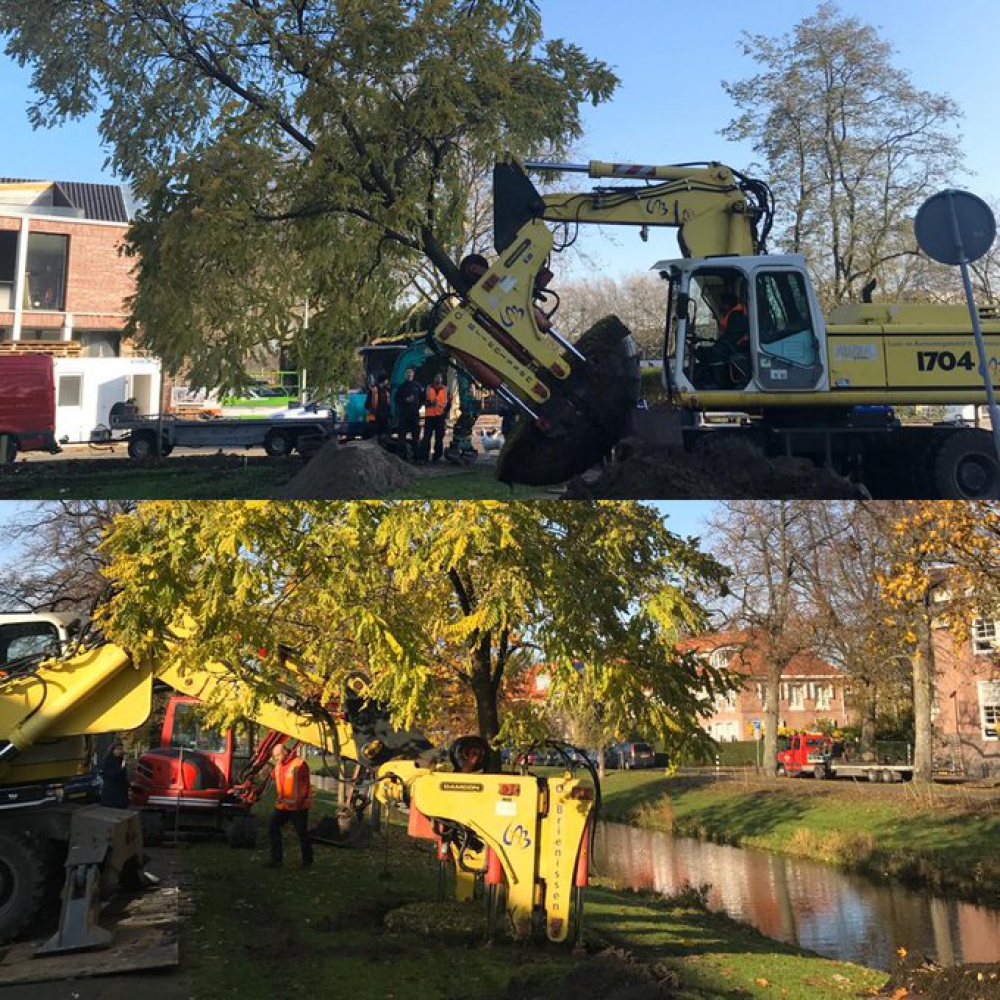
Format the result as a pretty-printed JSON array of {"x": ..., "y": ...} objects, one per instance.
[
  {"x": 259, "y": 933},
  {"x": 943, "y": 838}
]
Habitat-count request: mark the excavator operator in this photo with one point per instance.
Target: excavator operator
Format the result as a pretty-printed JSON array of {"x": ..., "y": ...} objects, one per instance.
[{"x": 728, "y": 359}]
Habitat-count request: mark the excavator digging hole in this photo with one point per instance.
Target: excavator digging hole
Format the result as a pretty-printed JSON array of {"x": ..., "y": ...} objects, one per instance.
[{"x": 593, "y": 417}]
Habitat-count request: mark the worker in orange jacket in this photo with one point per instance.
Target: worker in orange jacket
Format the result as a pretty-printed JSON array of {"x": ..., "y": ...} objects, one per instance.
[
  {"x": 435, "y": 409},
  {"x": 293, "y": 789}
]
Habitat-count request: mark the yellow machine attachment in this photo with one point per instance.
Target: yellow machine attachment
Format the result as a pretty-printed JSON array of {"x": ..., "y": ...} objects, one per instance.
[{"x": 524, "y": 836}]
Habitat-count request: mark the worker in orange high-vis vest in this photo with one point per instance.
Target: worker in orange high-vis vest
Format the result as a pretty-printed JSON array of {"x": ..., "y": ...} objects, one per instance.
[
  {"x": 293, "y": 790},
  {"x": 435, "y": 409}
]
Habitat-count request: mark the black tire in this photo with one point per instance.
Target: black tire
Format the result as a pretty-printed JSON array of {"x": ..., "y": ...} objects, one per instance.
[
  {"x": 142, "y": 447},
  {"x": 819, "y": 772},
  {"x": 242, "y": 832},
  {"x": 964, "y": 467},
  {"x": 279, "y": 443},
  {"x": 23, "y": 880},
  {"x": 873, "y": 775},
  {"x": 780, "y": 771},
  {"x": 154, "y": 827},
  {"x": 11, "y": 455}
]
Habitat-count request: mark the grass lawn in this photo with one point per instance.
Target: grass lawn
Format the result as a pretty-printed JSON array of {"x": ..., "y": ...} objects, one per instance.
[
  {"x": 203, "y": 477},
  {"x": 941, "y": 837},
  {"x": 260, "y": 933}
]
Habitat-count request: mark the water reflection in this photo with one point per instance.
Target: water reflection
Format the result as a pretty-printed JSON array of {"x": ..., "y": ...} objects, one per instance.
[{"x": 835, "y": 913}]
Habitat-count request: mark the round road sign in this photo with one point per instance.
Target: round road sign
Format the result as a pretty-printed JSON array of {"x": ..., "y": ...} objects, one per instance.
[{"x": 955, "y": 227}]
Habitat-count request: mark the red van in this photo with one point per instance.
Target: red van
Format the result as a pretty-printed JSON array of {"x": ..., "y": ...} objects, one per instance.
[{"x": 27, "y": 404}]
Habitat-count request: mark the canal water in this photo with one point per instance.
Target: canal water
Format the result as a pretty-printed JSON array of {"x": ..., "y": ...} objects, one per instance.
[{"x": 838, "y": 914}]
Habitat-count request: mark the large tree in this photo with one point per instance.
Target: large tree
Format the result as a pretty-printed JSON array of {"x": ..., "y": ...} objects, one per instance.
[
  {"x": 426, "y": 597},
  {"x": 850, "y": 145},
  {"x": 294, "y": 155}
]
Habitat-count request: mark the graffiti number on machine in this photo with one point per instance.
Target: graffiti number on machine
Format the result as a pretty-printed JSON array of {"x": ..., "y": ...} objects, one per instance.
[
  {"x": 517, "y": 835},
  {"x": 928, "y": 361}
]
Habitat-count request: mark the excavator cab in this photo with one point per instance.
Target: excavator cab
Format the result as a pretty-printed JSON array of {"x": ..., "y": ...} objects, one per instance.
[{"x": 740, "y": 327}]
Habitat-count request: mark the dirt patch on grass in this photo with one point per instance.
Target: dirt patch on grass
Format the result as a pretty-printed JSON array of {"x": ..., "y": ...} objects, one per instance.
[
  {"x": 612, "y": 974},
  {"x": 727, "y": 469},
  {"x": 917, "y": 977},
  {"x": 357, "y": 470}
]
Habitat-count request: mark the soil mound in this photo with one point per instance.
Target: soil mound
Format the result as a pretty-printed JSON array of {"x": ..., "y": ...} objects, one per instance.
[
  {"x": 917, "y": 977},
  {"x": 358, "y": 470},
  {"x": 727, "y": 469},
  {"x": 612, "y": 974}
]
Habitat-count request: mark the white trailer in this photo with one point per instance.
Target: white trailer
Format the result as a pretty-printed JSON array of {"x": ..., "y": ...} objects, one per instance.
[{"x": 87, "y": 388}]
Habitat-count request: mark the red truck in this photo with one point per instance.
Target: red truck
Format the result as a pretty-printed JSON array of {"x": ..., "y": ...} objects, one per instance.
[
  {"x": 27, "y": 405},
  {"x": 821, "y": 756}
]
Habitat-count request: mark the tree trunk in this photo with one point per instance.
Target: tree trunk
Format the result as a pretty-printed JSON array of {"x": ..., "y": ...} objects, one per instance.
[
  {"x": 923, "y": 699},
  {"x": 487, "y": 713},
  {"x": 868, "y": 707},
  {"x": 771, "y": 718}
]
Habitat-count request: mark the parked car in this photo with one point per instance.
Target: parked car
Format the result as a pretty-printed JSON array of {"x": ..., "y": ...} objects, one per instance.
[{"x": 628, "y": 755}]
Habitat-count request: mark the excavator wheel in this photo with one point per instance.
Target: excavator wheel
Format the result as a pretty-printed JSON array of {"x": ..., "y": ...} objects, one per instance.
[
  {"x": 23, "y": 882},
  {"x": 589, "y": 419}
]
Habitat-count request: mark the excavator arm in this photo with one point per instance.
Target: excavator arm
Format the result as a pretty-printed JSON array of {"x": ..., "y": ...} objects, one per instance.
[{"x": 576, "y": 399}]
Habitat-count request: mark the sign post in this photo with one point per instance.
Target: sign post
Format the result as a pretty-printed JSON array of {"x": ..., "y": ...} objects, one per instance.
[{"x": 955, "y": 227}]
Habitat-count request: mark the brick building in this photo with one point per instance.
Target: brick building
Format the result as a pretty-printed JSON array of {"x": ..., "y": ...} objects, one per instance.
[
  {"x": 811, "y": 689},
  {"x": 63, "y": 286},
  {"x": 966, "y": 700}
]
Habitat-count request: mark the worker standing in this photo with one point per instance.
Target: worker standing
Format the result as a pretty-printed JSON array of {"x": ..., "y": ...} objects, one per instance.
[
  {"x": 114, "y": 778},
  {"x": 379, "y": 406},
  {"x": 293, "y": 789},
  {"x": 409, "y": 398},
  {"x": 436, "y": 406}
]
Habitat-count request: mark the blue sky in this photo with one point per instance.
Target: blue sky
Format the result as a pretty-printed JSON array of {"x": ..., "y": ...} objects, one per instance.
[
  {"x": 670, "y": 105},
  {"x": 683, "y": 517}
]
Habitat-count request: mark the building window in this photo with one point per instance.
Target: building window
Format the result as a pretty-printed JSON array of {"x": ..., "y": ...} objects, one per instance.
[
  {"x": 720, "y": 658},
  {"x": 8, "y": 268},
  {"x": 99, "y": 344},
  {"x": 795, "y": 696},
  {"x": 989, "y": 708},
  {"x": 70, "y": 390},
  {"x": 985, "y": 636},
  {"x": 46, "y": 272},
  {"x": 824, "y": 696}
]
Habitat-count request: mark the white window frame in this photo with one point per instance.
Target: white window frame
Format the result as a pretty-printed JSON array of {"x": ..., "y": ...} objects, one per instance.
[
  {"x": 985, "y": 636},
  {"x": 796, "y": 697},
  {"x": 824, "y": 697},
  {"x": 989, "y": 709}
]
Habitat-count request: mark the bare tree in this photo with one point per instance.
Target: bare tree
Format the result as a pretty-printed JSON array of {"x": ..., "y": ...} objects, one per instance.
[
  {"x": 59, "y": 555},
  {"x": 768, "y": 551}
]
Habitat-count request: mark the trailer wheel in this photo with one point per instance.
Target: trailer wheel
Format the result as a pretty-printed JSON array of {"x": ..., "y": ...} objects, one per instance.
[
  {"x": 965, "y": 467},
  {"x": 22, "y": 883},
  {"x": 278, "y": 443},
  {"x": 242, "y": 832},
  {"x": 154, "y": 828},
  {"x": 780, "y": 771},
  {"x": 819, "y": 772},
  {"x": 873, "y": 774},
  {"x": 141, "y": 447},
  {"x": 11, "y": 455}
]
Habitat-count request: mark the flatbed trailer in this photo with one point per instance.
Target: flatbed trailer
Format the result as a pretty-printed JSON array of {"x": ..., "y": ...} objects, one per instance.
[
  {"x": 278, "y": 436},
  {"x": 818, "y": 756}
]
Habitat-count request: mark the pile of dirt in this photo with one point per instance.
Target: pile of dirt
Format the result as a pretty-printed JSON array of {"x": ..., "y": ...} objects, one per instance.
[
  {"x": 612, "y": 974},
  {"x": 358, "y": 470},
  {"x": 917, "y": 977},
  {"x": 728, "y": 469},
  {"x": 448, "y": 918}
]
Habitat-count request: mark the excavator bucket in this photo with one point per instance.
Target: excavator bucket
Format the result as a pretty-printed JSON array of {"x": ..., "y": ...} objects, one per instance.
[{"x": 590, "y": 416}]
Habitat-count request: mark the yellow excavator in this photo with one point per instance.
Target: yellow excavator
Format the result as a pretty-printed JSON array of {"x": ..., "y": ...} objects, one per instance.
[
  {"x": 797, "y": 383},
  {"x": 61, "y": 686}
]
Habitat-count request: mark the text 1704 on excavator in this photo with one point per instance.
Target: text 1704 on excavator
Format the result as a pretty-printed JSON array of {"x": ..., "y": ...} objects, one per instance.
[
  {"x": 60, "y": 686},
  {"x": 802, "y": 384}
]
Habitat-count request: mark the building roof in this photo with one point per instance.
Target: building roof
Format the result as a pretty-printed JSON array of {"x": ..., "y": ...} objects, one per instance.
[
  {"x": 750, "y": 660},
  {"x": 97, "y": 202}
]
